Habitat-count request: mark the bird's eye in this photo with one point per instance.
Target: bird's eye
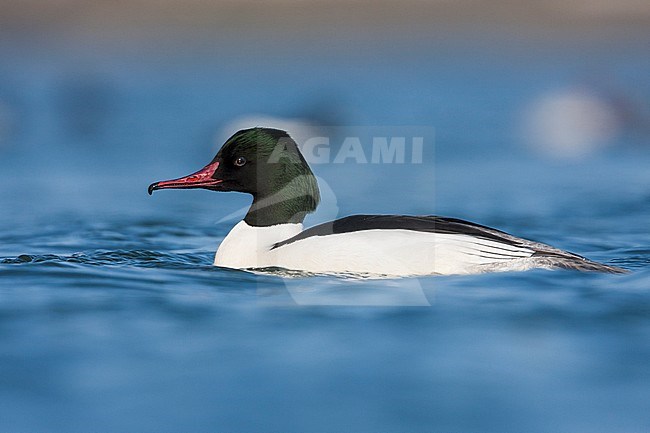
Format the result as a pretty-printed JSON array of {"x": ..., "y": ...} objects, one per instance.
[{"x": 240, "y": 161}]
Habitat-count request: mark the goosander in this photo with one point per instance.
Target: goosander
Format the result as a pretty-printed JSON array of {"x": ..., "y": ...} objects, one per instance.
[{"x": 267, "y": 164}]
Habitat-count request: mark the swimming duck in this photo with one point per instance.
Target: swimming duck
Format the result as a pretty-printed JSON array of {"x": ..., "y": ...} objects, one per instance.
[{"x": 267, "y": 164}]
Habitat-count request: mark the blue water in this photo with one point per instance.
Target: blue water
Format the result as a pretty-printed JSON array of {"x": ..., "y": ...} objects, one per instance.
[{"x": 113, "y": 319}]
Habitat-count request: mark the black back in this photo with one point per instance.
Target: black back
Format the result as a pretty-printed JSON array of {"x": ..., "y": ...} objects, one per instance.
[{"x": 428, "y": 224}]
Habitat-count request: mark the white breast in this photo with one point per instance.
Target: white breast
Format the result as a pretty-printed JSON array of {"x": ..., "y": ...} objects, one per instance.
[
  {"x": 380, "y": 252},
  {"x": 248, "y": 246}
]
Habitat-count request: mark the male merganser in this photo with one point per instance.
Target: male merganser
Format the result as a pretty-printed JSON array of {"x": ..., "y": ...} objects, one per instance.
[{"x": 267, "y": 164}]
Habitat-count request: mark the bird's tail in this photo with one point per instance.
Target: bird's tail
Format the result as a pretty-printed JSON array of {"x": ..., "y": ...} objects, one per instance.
[{"x": 576, "y": 262}]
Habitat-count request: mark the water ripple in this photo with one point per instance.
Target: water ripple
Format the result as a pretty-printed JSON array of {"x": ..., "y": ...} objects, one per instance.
[{"x": 136, "y": 258}]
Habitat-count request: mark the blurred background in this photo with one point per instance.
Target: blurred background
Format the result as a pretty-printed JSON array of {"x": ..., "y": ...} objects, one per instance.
[
  {"x": 141, "y": 90},
  {"x": 536, "y": 120}
]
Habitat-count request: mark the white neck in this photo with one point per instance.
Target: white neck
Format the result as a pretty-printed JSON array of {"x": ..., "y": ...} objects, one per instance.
[{"x": 248, "y": 246}]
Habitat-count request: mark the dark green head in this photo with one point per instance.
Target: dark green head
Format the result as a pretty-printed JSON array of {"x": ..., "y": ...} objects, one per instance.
[{"x": 265, "y": 163}]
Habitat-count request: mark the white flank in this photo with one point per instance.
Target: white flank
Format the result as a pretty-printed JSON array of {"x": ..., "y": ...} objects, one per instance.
[{"x": 377, "y": 252}]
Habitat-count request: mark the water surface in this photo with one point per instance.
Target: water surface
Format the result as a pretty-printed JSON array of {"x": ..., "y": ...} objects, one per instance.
[{"x": 113, "y": 317}]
